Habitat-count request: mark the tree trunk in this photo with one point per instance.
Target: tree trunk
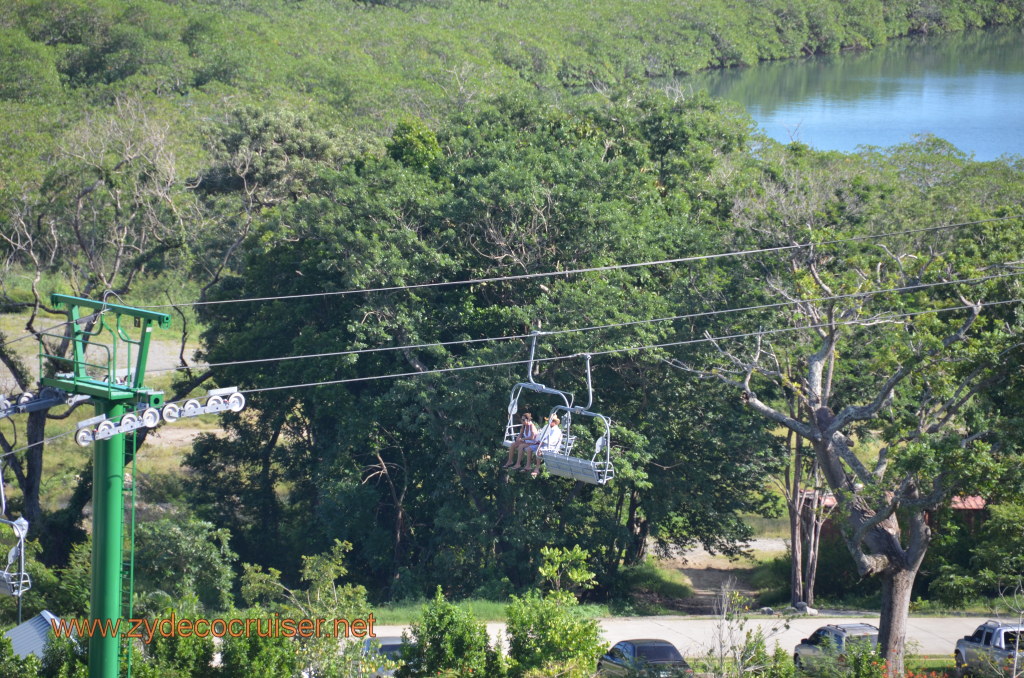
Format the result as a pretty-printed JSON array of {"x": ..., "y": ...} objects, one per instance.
[
  {"x": 35, "y": 431},
  {"x": 796, "y": 509},
  {"x": 813, "y": 535},
  {"x": 892, "y": 625},
  {"x": 813, "y": 546},
  {"x": 638, "y": 531},
  {"x": 796, "y": 582}
]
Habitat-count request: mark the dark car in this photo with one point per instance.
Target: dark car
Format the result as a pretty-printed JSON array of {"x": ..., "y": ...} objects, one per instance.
[
  {"x": 382, "y": 648},
  {"x": 832, "y": 641},
  {"x": 649, "y": 657}
]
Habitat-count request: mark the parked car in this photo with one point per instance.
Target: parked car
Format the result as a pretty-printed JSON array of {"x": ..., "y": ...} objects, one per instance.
[
  {"x": 831, "y": 641},
  {"x": 657, "y": 658},
  {"x": 382, "y": 648},
  {"x": 993, "y": 649}
]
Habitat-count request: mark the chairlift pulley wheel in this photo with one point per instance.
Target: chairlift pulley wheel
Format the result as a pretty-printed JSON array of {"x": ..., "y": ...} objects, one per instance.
[
  {"x": 151, "y": 417},
  {"x": 236, "y": 402},
  {"x": 105, "y": 430}
]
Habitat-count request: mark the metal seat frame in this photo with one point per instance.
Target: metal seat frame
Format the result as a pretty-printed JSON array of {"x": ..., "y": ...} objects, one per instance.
[
  {"x": 598, "y": 470},
  {"x": 512, "y": 428},
  {"x": 16, "y": 582}
]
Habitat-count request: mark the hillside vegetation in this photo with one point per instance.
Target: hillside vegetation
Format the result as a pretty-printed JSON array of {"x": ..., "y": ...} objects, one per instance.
[{"x": 318, "y": 166}]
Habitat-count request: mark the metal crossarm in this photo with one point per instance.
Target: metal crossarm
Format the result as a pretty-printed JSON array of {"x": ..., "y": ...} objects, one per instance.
[{"x": 100, "y": 379}]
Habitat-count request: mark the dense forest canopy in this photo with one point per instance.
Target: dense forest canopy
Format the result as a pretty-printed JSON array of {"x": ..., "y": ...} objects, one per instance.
[{"x": 312, "y": 148}]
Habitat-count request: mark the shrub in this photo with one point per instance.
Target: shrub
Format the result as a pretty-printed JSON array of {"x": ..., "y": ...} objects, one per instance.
[
  {"x": 14, "y": 666},
  {"x": 445, "y": 638},
  {"x": 549, "y": 630}
]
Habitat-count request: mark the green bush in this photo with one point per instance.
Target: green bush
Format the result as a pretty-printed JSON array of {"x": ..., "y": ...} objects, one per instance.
[
  {"x": 13, "y": 666},
  {"x": 859, "y": 660},
  {"x": 546, "y": 630},
  {"x": 445, "y": 638},
  {"x": 255, "y": 656},
  {"x": 65, "y": 658}
]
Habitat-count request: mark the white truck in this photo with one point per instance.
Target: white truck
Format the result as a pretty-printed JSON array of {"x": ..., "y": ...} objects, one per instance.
[{"x": 994, "y": 649}]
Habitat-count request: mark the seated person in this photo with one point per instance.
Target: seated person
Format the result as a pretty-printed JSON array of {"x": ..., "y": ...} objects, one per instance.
[
  {"x": 527, "y": 436},
  {"x": 550, "y": 440}
]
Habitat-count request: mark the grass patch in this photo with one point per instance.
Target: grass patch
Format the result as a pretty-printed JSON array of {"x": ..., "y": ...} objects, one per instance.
[
  {"x": 768, "y": 528},
  {"x": 648, "y": 589},
  {"x": 930, "y": 666},
  {"x": 405, "y": 612}
]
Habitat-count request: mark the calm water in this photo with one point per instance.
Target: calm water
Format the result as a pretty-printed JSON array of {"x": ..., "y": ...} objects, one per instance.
[{"x": 966, "y": 88}]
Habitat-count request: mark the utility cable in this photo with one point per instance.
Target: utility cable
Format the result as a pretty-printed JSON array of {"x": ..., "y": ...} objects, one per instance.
[
  {"x": 43, "y": 331},
  {"x": 687, "y": 316},
  {"x": 611, "y": 267}
]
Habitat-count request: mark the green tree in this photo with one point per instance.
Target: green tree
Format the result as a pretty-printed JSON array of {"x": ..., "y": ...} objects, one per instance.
[
  {"x": 522, "y": 187},
  {"x": 323, "y": 597},
  {"x": 182, "y": 557},
  {"x": 566, "y": 569},
  {"x": 27, "y": 69},
  {"x": 414, "y": 145},
  {"x": 920, "y": 400},
  {"x": 546, "y": 630},
  {"x": 444, "y": 638}
]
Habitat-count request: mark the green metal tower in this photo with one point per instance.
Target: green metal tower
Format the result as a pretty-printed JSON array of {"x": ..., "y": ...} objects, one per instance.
[
  {"x": 115, "y": 397},
  {"x": 114, "y": 382}
]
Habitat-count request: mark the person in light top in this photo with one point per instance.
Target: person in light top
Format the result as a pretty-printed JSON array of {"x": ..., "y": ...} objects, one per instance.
[
  {"x": 549, "y": 441},
  {"x": 527, "y": 436}
]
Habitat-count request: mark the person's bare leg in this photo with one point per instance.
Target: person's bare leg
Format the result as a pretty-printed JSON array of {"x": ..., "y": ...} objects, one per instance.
[
  {"x": 529, "y": 460},
  {"x": 519, "y": 458},
  {"x": 511, "y": 451}
]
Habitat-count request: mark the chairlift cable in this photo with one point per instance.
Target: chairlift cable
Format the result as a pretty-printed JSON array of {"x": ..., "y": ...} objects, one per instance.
[
  {"x": 32, "y": 336},
  {"x": 594, "y": 269},
  {"x": 686, "y": 316},
  {"x": 525, "y": 276},
  {"x": 876, "y": 320},
  {"x": 872, "y": 321}
]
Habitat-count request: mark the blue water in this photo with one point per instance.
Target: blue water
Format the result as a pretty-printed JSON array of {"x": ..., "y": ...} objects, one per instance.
[{"x": 967, "y": 88}]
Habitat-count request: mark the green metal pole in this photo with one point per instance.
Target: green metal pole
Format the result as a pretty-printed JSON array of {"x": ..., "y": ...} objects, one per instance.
[{"x": 108, "y": 512}]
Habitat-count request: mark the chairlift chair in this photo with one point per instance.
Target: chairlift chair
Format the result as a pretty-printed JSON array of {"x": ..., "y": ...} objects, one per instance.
[
  {"x": 14, "y": 580},
  {"x": 513, "y": 428},
  {"x": 598, "y": 469}
]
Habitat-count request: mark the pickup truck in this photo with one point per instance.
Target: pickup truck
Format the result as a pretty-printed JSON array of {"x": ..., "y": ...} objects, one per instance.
[{"x": 994, "y": 649}]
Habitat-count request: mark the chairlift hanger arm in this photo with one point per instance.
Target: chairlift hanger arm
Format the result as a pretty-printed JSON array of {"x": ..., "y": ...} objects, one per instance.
[{"x": 163, "y": 320}]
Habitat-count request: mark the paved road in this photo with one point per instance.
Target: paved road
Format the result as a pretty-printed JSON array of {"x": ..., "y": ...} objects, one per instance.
[{"x": 694, "y": 636}]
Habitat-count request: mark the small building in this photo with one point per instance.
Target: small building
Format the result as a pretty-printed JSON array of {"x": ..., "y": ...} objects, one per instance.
[
  {"x": 970, "y": 510},
  {"x": 32, "y": 636}
]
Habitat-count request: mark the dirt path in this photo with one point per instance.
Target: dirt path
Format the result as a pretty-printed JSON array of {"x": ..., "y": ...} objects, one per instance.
[{"x": 709, "y": 574}]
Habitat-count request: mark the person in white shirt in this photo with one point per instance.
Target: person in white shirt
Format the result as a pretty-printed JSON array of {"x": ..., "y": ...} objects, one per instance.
[{"x": 550, "y": 440}]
